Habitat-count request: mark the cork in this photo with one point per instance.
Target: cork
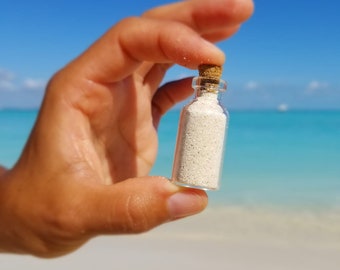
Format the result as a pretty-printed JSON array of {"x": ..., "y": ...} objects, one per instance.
[{"x": 211, "y": 73}]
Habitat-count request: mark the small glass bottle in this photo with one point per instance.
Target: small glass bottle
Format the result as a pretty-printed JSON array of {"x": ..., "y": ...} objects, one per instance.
[{"x": 201, "y": 133}]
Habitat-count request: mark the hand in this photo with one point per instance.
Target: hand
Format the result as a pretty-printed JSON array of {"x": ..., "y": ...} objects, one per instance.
[{"x": 83, "y": 171}]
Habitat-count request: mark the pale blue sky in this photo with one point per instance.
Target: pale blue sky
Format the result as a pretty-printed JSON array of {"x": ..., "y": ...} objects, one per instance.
[{"x": 288, "y": 52}]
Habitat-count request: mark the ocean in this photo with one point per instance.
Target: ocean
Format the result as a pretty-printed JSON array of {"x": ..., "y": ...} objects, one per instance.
[
  {"x": 289, "y": 159},
  {"x": 272, "y": 158},
  {"x": 275, "y": 158}
]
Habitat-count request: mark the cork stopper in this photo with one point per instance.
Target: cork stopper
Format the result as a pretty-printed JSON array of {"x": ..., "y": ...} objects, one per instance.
[{"x": 211, "y": 73}]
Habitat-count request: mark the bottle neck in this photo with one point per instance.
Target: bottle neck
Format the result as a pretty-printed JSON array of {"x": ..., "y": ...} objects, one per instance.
[{"x": 208, "y": 87}]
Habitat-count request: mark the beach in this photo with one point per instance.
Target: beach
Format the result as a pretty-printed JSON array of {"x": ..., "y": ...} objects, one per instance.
[
  {"x": 278, "y": 206},
  {"x": 225, "y": 238}
]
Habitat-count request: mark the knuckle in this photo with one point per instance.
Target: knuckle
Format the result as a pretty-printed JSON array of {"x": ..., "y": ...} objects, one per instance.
[
  {"x": 64, "y": 224},
  {"x": 138, "y": 218}
]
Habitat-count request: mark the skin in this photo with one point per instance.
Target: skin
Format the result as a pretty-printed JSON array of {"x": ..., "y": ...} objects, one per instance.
[{"x": 84, "y": 169}]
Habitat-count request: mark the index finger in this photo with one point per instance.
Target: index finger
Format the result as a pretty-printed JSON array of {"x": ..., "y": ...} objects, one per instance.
[
  {"x": 214, "y": 20},
  {"x": 124, "y": 47}
]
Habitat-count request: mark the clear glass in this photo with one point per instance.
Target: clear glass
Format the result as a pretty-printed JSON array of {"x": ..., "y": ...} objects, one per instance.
[{"x": 201, "y": 137}]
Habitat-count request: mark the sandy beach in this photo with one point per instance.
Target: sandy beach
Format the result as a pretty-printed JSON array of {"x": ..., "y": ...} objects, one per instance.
[{"x": 237, "y": 238}]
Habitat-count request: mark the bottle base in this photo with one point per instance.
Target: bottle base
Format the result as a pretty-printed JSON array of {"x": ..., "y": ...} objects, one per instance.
[{"x": 188, "y": 185}]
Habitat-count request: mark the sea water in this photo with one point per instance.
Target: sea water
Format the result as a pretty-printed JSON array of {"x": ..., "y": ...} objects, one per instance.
[
  {"x": 289, "y": 159},
  {"x": 271, "y": 158},
  {"x": 15, "y": 127}
]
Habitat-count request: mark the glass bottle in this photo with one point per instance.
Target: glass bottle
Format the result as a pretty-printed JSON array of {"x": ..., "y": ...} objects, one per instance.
[{"x": 201, "y": 134}]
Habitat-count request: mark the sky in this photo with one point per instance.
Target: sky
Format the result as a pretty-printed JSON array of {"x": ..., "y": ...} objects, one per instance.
[{"x": 287, "y": 53}]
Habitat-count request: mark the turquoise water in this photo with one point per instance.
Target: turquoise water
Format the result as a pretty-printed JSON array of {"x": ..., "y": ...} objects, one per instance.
[
  {"x": 289, "y": 159},
  {"x": 15, "y": 126}
]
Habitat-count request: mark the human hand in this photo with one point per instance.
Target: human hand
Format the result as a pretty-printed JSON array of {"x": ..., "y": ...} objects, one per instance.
[{"x": 83, "y": 171}]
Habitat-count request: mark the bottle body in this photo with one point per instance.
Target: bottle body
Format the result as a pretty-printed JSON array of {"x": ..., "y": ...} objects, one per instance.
[{"x": 200, "y": 142}]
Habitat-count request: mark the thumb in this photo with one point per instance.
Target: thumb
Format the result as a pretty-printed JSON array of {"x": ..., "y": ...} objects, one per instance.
[{"x": 139, "y": 204}]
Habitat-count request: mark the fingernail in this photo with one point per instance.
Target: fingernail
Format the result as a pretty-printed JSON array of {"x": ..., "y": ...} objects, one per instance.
[{"x": 186, "y": 203}]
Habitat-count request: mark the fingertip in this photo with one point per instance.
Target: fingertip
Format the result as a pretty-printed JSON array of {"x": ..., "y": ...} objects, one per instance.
[
  {"x": 235, "y": 11},
  {"x": 251, "y": 7},
  {"x": 184, "y": 46},
  {"x": 187, "y": 202},
  {"x": 218, "y": 55},
  {"x": 245, "y": 8}
]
